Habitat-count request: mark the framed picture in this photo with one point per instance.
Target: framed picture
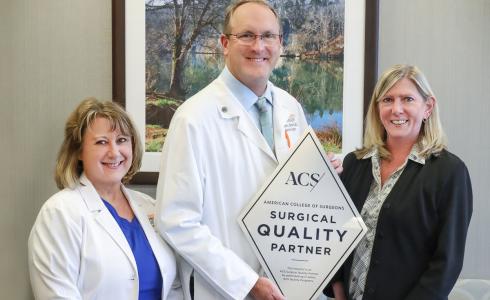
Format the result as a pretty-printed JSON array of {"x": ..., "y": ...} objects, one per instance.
[{"x": 351, "y": 51}]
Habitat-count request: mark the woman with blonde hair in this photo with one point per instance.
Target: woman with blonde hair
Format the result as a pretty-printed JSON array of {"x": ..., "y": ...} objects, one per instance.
[
  {"x": 93, "y": 239},
  {"x": 414, "y": 196}
]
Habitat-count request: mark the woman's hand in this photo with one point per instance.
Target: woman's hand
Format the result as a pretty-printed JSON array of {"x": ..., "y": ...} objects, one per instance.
[
  {"x": 336, "y": 162},
  {"x": 338, "y": 291}
]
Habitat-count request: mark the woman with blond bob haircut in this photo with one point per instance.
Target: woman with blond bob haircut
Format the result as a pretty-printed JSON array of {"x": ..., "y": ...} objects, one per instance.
[
  {"x": 68, "y": 167},
  {"x": 431, "y": 138},
  {"x": 93, "y": 239},
  {"x": 414, "y": 196}
]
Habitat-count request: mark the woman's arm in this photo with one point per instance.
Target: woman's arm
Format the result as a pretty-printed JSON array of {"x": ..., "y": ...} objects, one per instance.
[
  {"x": 455, "y": 206},
  {"x": 54, "y": 255}
]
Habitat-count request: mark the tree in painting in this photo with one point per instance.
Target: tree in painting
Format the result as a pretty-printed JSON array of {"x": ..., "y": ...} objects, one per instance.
[
  {"x": 183, "y": 55},
  {"x": 191, "y": 18}
]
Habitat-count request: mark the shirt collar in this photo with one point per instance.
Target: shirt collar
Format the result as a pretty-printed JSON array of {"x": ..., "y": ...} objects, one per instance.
[
  {"x": 244, "y": 95},
  {"x": 414, "y": 154},
  {"x": 371, "y": 153}
]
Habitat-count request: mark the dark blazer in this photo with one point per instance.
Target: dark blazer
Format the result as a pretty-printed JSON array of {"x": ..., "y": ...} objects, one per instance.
[{"x": 420, "y": 237}]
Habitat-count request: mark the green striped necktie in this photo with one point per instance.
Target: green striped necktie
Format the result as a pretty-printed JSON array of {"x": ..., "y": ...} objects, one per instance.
[{"x": 265, "y": 119}]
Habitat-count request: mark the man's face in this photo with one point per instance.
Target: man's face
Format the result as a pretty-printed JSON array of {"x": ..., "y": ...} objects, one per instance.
[{"x": 252, "y": 63}]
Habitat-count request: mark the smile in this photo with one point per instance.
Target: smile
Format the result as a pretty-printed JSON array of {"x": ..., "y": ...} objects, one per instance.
[
  {"x": 399, "y": 122},
  {"x": 257, "y": 59},
  {"x": 113, "y": 165}
]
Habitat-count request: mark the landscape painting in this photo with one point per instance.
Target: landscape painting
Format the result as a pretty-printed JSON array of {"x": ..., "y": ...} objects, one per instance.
[{"x": 183, "y": 55}]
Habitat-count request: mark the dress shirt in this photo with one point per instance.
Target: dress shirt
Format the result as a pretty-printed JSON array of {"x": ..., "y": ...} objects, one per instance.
[{"x": 246, "y": 96}]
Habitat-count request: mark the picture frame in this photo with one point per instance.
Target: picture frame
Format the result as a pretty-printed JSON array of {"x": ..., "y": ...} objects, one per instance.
[{"x": 128, "y": 66}]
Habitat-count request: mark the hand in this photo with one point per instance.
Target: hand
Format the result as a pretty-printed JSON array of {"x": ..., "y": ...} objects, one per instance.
[
  {"x": 336, "y": 162},
  {"x": 338, "y": 290},
  {"x": 266, "y": 290}
]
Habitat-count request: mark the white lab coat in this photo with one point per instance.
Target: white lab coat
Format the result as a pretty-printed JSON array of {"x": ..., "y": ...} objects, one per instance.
[
  {"x": 214, "y": 160},
  {"x": 78, "y": 251}
]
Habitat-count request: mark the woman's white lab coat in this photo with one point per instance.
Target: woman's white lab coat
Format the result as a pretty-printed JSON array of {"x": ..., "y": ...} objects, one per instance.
[
  {"x": 214, "y": 160},
  {"x": 78, "y": 251}
]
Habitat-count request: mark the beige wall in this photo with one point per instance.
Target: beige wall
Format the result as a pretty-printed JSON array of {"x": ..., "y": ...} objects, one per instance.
[
  {"x": 449, "y": 41},
  {"x": 53, "y": 53}
]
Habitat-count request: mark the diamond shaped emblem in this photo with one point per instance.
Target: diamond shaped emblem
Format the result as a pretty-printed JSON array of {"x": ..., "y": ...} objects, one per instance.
[{"x": 302, "y": 224}]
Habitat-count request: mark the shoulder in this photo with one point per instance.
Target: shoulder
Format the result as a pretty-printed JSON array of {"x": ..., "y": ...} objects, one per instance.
[
  {"x": 354, "y": 168},
  {"x": 68, "y": 200},
  {"x": 351, "y": 156},
  {"x": 196, "y": 113},
  {"x": 289, "y": 105},
  {"x": 446, "y": 176},
  {"x": 283, "y": 96},
  {"x": 203, "y": 102},
  {"x": 443, "y": 173},
  {"x": 351, "y": 159},
  {"x": 446, "y": 162},
  {"x": 66, "y": 207},
  {"x": 449, "y": 158}
]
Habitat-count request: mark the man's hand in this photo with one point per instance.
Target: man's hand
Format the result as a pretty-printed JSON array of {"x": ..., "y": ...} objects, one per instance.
[
  {"x": 336, "y": 162},
  {"x": 264, "y": 289}
]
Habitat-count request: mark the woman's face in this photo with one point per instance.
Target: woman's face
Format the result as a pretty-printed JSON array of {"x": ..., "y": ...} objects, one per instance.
[
  {"x": 402, "y": 110},
  {"x": 106, "y": 154}
]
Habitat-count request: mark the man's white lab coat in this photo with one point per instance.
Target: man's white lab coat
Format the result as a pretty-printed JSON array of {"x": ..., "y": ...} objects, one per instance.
[{"x": 214, "y": 160}]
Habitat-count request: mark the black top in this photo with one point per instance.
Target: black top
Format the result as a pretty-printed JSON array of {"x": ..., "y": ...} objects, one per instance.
[{"x": 421, "y": 233}]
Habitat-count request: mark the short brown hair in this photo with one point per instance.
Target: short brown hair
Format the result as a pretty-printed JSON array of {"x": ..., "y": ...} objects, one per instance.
[
  {"x": 68, "y": 166},
  {"x": 233, "y": 7}
]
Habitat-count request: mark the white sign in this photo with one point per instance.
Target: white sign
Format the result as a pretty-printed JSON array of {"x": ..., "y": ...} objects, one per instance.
[{"x": 302, "y": 224}]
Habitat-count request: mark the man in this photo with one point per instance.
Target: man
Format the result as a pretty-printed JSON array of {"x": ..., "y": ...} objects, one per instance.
[{"x": 218, "y": 153}]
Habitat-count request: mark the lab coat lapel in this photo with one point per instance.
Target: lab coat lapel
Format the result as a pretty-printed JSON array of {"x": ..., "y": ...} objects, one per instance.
[
  {"x": 150, "y": 233},
  {"x": 281, "y": 117},
  {"x": 229, "y": 107},
  {"x": 104, "y": 218}
]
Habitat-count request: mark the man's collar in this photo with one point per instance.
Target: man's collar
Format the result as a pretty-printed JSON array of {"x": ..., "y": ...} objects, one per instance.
[
  {"x": 415, "y": 155},
  {"x": 244, "y": 94}
]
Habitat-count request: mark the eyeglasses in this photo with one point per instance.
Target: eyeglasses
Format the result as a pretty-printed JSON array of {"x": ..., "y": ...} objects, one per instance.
[{"x": 248, "y": 38}]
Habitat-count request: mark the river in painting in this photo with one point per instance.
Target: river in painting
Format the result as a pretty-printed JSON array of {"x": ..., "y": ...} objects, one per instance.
[{"x": 316, "y": 83}]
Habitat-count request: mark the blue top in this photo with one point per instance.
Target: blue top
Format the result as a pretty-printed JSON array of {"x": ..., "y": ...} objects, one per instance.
[{"x": 150, "y": 278}]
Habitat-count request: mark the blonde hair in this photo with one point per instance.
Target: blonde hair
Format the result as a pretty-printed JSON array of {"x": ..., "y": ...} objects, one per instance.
[
  {"x": 68, "y": 166},
  {"x": 233, "y": 7},
  {"x": 432, "y": 139}
]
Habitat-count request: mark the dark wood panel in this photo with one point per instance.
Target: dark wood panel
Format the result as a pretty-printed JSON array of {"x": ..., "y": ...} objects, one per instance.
[
  {"x": 370, "y": 50},
  {"x": 118, "y": 53}
]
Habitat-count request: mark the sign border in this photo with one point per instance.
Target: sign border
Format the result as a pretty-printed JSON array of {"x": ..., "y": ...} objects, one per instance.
[{"x": 243, "y": 215}]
